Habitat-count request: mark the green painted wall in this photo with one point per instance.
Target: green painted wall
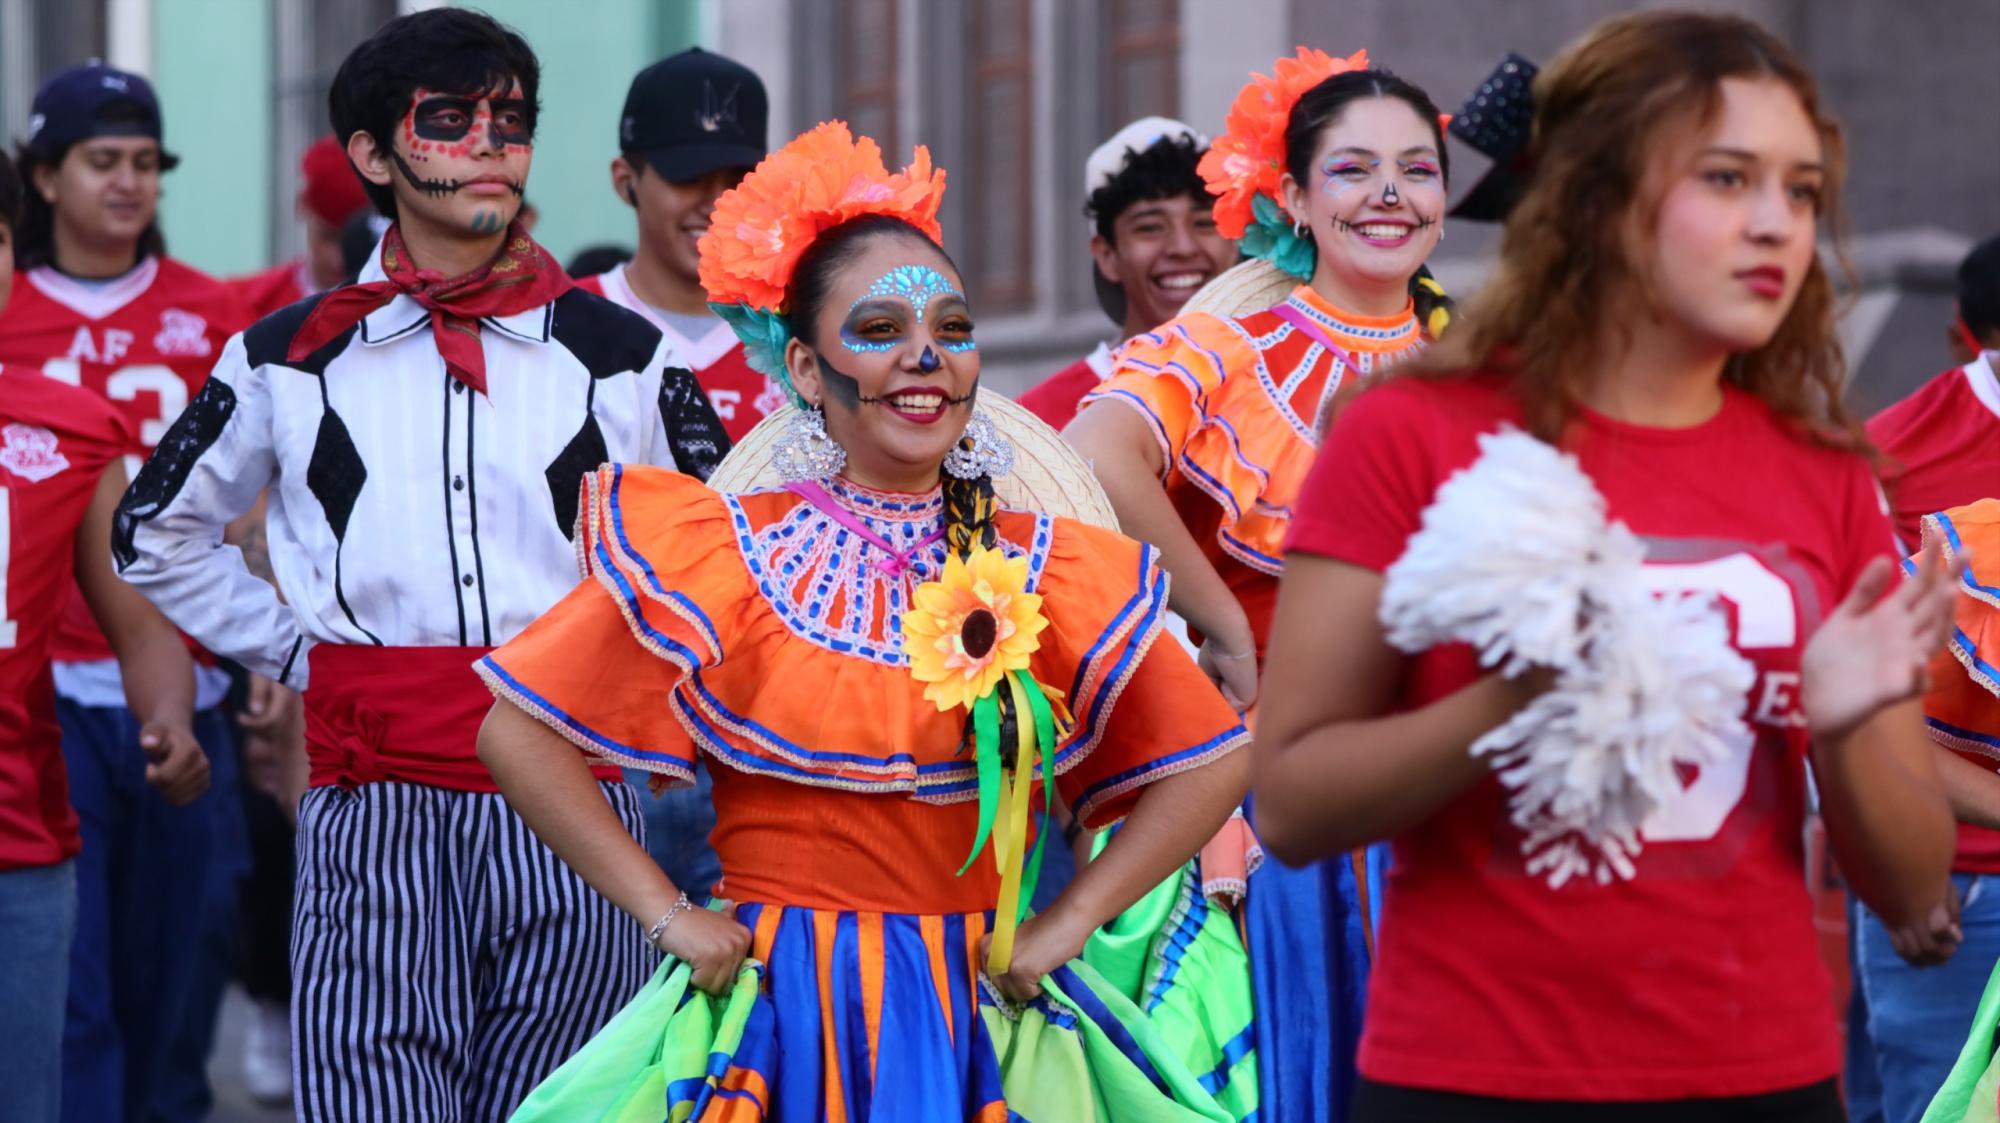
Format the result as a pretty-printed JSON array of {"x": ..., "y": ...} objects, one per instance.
[
  {"x": 212, "y": 68},
  {"x": 589, "y": 54}
]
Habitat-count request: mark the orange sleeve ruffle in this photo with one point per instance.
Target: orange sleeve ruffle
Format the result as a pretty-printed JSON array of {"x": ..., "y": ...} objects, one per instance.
[
  {"x": 1962, "y": 703},
  {"x": 580, "y": 671},
  {"x": 1106, "y": 597},
  {"x": 1198, "y": 382}
]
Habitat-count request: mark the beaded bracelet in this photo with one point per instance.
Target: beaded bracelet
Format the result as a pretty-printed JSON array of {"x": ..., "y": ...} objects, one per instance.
[{"x": 660, "y": 926}]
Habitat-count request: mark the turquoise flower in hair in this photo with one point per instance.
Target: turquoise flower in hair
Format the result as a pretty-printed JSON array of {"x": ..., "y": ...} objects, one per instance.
[
  {"x": 1269, "y": 237},
  {"x": 764, "y": 334}
]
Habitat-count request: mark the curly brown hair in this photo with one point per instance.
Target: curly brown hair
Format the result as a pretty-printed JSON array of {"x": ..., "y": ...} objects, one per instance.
[{"x": 1632, "y": 89}]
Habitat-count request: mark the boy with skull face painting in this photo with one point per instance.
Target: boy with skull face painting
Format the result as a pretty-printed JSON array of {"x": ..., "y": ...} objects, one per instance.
[{"x": 422, "y": 434}]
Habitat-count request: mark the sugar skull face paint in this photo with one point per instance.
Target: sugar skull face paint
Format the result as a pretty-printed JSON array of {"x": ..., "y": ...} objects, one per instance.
[
  {"x": 449, "y": 124},
  {"x": 1344, "y": 177},
  {"x": 911, "y": 290},
  {"x": 896, "y": 397},
  {"x": 1374, "y": 202},
  {"x": 466, "y": 157},
  {"x": 918, "y": 284}
]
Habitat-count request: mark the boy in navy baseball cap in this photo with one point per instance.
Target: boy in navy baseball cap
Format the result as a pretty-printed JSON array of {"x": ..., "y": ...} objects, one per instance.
[
  {"x": 85, "y": 104},
  {"x": 99, "y": 305}
]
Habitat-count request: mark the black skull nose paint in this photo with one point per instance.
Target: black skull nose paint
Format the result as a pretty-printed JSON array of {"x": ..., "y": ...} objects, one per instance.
[{"x": 1389, "y": 196}]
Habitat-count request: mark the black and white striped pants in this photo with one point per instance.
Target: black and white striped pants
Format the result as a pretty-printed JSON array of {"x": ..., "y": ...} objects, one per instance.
[{"x": 444, "y": 961}]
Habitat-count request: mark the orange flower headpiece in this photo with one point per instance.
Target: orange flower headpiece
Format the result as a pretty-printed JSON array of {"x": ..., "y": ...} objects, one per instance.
[
  {"x": 1248, "y": 160},
  {"x": 762, "y": 226}
]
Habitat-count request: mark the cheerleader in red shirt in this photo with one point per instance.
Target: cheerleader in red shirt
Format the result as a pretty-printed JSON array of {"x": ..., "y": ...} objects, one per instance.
[{"x": 1659, "y": 314}]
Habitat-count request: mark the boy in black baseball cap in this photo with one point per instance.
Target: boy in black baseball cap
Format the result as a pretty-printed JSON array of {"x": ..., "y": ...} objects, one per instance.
[{"x": 694, "y": 124}]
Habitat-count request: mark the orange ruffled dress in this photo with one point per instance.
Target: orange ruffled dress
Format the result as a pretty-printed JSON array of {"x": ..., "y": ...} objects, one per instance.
[
  {"x": 756, "y": 629},
  {"x": 1238, "y": 405},
  {"x": 1962, "y": 709},
  {"x": 1962, "y": 702}
]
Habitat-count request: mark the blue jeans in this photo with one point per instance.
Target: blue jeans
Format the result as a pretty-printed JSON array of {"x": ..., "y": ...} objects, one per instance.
[
  {"x": 1916, "y": 1018},
  {"x": 143, "y": 906},
  {"x": 37, "y": 920},
  {"x": 677, "y": 826}
]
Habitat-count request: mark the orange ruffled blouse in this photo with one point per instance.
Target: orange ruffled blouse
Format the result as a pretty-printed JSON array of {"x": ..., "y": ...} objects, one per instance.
[
  {"x": 756, "y": 629},
  {"x": 1238, "y": 405},
  {"x": 1962, "y": 702}
]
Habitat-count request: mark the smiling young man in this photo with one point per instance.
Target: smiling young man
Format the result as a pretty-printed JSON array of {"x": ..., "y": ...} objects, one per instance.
[
  {"x": 422, "y": 434},
  {"x": 101, "y": 306},
  {"x": 694, "y": 124},
  {"x": 1155, "y": 244}
]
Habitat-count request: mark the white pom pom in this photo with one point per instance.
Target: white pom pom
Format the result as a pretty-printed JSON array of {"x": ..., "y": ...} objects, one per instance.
[
  {"x": 1524, "y": 519},
  {"x": 1516, "y": 559}
]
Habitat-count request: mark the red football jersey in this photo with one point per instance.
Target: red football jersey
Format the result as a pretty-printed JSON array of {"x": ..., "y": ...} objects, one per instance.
[
  {"x": 1700, "y": 977},
  {"x": 145, "y": 341},
  {"x": 741, "y": 396},
  {"x": 55, "y": 441},
  {"x": 263, "y": 293},
  {"x": 1054, "y": 399},
  {"x": 1941, "y": 447}
]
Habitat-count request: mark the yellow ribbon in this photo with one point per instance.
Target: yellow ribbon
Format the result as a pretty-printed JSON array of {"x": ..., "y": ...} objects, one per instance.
[{"x": 1010, "y": 845}]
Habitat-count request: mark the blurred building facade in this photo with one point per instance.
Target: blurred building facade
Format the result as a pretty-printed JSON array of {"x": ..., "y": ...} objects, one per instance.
[{"x": 1010, "y": 96}]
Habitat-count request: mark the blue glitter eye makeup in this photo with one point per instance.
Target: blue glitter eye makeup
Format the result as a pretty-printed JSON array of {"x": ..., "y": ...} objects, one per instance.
[
  {"x": 918, "y": 284},
  {"x": 862, "y": 346}
]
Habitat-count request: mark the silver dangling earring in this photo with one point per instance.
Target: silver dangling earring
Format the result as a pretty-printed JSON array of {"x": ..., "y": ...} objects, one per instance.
[
  {"x": 989, "y": 454},
  {"x": 1440, "y": 231},
  {"x": 805, "y": 451},
  {"x": 1299, "y": 229}
]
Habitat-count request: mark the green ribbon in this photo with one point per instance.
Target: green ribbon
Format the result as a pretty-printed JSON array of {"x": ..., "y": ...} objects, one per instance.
[
  {"x": 1045, "y": 740},
  {"x": 986, "y": 758}
]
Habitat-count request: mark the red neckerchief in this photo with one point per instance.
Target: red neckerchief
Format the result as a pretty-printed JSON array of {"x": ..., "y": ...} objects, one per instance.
[{"x": 520, "y": 277}]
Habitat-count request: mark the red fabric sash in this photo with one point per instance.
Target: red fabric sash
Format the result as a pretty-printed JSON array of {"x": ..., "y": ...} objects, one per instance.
[
  {"x": 520, "y": 277},
  {"x": 406, "y": 715}
]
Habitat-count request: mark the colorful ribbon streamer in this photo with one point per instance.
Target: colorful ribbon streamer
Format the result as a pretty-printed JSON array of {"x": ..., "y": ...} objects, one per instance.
[{"x": 1004, "y": 797}]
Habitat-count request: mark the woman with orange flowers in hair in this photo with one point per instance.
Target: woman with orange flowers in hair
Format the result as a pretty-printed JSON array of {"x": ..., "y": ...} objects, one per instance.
[
  {"x": 1569, "y": 609},
  {"x": 1333, "y": 171},
  {"x": 882, "y": 659}
]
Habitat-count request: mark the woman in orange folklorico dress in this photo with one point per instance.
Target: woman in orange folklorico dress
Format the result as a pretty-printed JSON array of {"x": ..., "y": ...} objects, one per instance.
[
  {"x": 823, "y": 643},
  {"x": 1333, "y": 172}
]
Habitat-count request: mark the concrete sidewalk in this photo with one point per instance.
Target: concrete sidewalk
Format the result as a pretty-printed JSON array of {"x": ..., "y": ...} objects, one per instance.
[{"x": 225, "y": 1069}]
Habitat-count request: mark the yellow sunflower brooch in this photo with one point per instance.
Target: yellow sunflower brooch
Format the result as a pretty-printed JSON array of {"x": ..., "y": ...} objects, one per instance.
[{"x": 968, "y": 634}]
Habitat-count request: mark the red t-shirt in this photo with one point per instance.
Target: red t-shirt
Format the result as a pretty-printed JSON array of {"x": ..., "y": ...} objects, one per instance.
[
  {"x": 1054, "y": 399},
  {"x": 145, "y": 341},
  {"x": 1701, "y": 976},
  {"x": 1942, "y": 448},
  {"x": 741, "y": 396},
  {"x": 264, "y": 293},
  {"x": 55, "y": 441}
]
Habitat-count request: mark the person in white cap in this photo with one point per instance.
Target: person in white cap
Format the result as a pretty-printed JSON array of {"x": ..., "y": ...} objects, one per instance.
[{"x": 1154, "y": 244}]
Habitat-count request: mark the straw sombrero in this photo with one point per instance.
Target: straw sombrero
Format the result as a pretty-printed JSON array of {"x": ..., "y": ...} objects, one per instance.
[
  {"x": 1048, "y": 477},
  {"x": 1249, "y": 286}
]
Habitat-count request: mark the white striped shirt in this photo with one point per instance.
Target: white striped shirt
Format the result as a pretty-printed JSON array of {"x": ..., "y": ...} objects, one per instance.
[{"x": 404, "y": 509}]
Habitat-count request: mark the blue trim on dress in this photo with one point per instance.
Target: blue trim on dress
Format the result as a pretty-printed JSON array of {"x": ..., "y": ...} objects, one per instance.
[{"x": 493, "y": 668}]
